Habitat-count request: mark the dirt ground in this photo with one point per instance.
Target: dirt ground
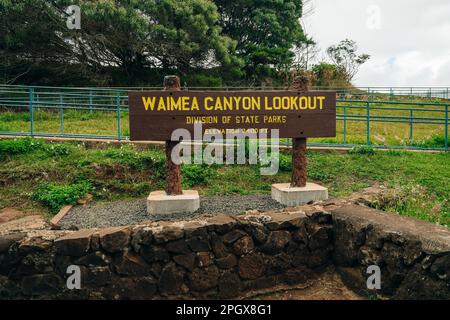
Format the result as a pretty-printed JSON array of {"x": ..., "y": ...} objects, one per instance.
[{"x": 328, "y": 286}]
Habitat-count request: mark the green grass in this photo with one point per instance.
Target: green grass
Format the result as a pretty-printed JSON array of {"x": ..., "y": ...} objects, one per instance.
[{"x": 418, "y": 182}]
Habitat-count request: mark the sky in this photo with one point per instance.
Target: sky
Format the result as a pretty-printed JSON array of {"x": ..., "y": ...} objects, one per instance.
[{"x": 408, "y": 40}]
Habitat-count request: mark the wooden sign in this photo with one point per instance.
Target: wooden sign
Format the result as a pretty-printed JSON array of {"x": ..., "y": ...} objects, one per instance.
[{"x": 154, "y": 115}]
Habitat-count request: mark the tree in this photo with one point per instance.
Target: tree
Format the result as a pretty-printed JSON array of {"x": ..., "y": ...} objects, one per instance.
[
  {"x": 329, "y": 76},
  {"x": 344, "y": 55},
  {"x": 127, "y": 36},
  {"x": 265, "y": 32}
]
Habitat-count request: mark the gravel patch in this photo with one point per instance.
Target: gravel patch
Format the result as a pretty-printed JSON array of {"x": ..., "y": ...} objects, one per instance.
[{"x": 121, "y": 213}]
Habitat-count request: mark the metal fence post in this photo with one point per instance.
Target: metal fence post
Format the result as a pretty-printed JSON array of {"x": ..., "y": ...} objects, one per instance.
[
  {"x": 368, "y": 124},
  {"x": 30, "y": 102},
  {"x": 345, "y": 125},
  {"x": 118, "y": 117},
  {"x": 411, "y": 126},
  {"x": 61, "y": 114},
  {"x": 446, "y": 128},
  {"x": 90, "y": 101}
]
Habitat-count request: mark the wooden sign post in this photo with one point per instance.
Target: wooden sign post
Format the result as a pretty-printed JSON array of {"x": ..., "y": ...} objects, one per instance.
[
  {"x": 173, "y": 171},
  {"x": 296, "y": 113},
  {"x": 299, "y": 160}
]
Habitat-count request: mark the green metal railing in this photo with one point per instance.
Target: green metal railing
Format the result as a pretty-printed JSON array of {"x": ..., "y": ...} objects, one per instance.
[{"x": 84, "y": 113}]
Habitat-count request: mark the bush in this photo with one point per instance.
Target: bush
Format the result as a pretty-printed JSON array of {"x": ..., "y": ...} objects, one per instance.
[
  {"x": 124, "y": 156},
  {"x": 155, "y": 161},
  {"x": 285, "y": 162},
  {"x": 365, "y": 150},
  {"x": 195, "y": 174},
  {"x": 202, "y": 80},
  {"x": 57, "y": 150},
  {"x": 436, "y": 141},
  {"x": 56, "y": 196},
  {"x": 18, "y": 146}
]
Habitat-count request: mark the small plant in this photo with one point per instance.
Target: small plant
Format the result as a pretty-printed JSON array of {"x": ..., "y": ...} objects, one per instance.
[
  {"x": 435, "y": 141},
  {"x": 18, "y": 146},
  {"x": 285, "y": 162},
  {"x": 57, "y": 150},
  {"x": 195, "y": 174},
  {"x": 56, "y": 196},
  {"x": 363, "y": 150}
]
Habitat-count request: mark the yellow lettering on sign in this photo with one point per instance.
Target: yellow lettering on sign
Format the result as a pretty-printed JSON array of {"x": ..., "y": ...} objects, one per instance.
[
  {"x": 207, "y": 107},
  {"x": 149, "y": 101}
]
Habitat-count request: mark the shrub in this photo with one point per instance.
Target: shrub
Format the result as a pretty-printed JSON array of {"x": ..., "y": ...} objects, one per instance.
[
  {"x": 18, "y": 146},
  {"x": 56, "y": 196},
  {"x": 285, "y": 162},
  {"x": 155, "y": 161},
  {"x": 435, "y": 141},
  {"x": 124, "y": 156},
  {"x": 195, "y": 174},
  {"x": 57, "y": 150},
  {"x": 365, "y": 150}
]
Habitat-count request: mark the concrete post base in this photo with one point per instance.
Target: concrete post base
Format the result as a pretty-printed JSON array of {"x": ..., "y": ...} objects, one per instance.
[
  {"x": 159, "y": 202},
  {"x": 285, "y": 194}
]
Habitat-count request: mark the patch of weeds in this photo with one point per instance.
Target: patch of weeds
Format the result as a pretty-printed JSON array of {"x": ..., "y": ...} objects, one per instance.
[
  {"x": 359, "y": 186},
  {"x": 195, "y": 174},
  {"x": 14, "y": 116},
  {"x": 364, "y": 150},
  {"x": 285, "y": 162},
  {"x": 154, "y": 160},
  {"x": 397, "y": 153},
  {"x": 435, "y": 141},
  {"x": 414, "y": 201},
  {"x": 320, "y": 176},
  {"x": 123, "y": 155},
  {"x": 57, "y": 150},
  {"x": 55, "y": 196},
  {"x": 18, "y": 146}
]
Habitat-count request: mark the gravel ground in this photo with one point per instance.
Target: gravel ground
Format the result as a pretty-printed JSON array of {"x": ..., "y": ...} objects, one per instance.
[{"x": 135, "y": 211}]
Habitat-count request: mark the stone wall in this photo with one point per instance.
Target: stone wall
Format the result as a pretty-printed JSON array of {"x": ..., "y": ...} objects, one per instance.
[
  {"x": 225, "y": 257},
  {"x": 413, "y": 255}
]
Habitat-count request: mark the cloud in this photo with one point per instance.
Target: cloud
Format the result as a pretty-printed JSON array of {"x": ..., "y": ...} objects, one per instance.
[{"x": 410, "y": 46}]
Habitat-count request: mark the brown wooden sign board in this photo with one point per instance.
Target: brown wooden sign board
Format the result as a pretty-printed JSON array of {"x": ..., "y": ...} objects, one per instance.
[{"x": 154, "y": 115}]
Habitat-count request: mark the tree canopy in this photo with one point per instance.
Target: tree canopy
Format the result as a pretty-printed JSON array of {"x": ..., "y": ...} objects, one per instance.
[{"x": 133, "y": 41}]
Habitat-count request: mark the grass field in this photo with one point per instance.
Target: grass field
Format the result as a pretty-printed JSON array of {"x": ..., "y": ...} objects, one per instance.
[
  {"x": 37, "y": 176},
  {"x": 381, "y": 133}
]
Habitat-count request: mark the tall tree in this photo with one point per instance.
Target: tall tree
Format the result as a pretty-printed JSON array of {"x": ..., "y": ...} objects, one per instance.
[
  {"x": 127, "y": 35},
  {"x": 265, "y": 31}
]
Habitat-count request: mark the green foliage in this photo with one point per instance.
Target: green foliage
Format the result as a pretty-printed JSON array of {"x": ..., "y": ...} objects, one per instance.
[
  {"x": 285, "y": 162},
  {"x": 329, "y": 75},
  {"x": 435, "y": 141},
  {"x": 265, "y": 32},
  {"x": 414, "y": 201},
  {"x": 364, "y": 150},
  {"x": 138, "y": 42},
  {"x": 126, "y": 36},
  {"x": 18, "y": 146},
  {"x": 345, "y": 57},
  {"x": 57, "y": 150},
  {"x": 195, "y": 174},
  {"x": 420, "y": 180},
  {"x": 55, "y": 196},
  {"x": 202, "y": 80}
]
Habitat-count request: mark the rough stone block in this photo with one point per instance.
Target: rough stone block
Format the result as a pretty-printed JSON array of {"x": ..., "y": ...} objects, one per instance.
[
  {"x": 289, "y": 196},
  {"x": 159, "y": 202},
  {"x": 74, "y": 244}
]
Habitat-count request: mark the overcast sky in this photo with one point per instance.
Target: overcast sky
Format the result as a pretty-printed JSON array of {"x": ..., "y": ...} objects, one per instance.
[{"x": 408, "y": 40}]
